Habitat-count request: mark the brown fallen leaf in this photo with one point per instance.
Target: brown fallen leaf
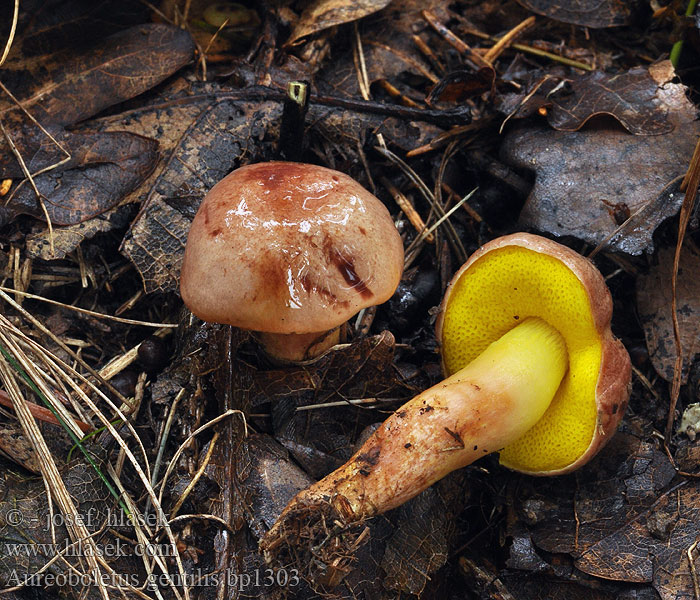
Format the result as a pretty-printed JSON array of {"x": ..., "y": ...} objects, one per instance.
[
  {"x": 587, "y": 13},
  {"x": 156, "y": 245},
  {"x": 582, "y": 175},
  {"x": 654, "y": 305},
  {"x": 115, "y": 163},
  {"x": 17, "y": 448},
  {"x": 623, "y": 518},
  {"x": 123, "y": 66},
  {"x": 57, "y": 244},
  {"x": 653, "y": 548},
  {"x": 323, "y": 14},
  {"x": 634, "y": 98}
]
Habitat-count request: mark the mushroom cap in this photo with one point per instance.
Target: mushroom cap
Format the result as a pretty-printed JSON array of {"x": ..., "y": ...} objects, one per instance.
[
  {"x": 289, "y": 248},
  {"x": 523, "y": 275}
]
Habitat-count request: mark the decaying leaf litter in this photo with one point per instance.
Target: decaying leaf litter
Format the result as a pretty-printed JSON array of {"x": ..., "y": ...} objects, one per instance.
[{"x": 574, "y": 125}]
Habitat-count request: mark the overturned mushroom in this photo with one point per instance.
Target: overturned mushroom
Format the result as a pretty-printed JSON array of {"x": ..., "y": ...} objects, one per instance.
[
  {"x": 290, "y": 251},
  {"x": 533, "y": 371}
]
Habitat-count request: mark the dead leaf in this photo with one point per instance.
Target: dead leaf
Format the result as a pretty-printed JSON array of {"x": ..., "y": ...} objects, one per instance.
[
  {"x": 67, "y": 239},
  {"x": 323, "y": 14},
  {"x": 115, "y": 163},
  {"x": 17, "y": 448},
  {"x": 654, "y": 305},
  {"x": 420, "y": 544},
  {"x": 156, "y": 245},
  {"x": 621, "y": 518},
  {"x": 581, "y": 175},
  {"x": 634, "y": 98},
  {"x": 587, "y": 13},
  {"x": 122, "y": 66},
  {"x": 641, "y": 551}
]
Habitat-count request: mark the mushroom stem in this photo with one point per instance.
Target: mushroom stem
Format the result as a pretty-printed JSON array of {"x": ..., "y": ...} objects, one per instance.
[
  {"x": 296, "y": 347},
  {"x": 488, "y": 404}
]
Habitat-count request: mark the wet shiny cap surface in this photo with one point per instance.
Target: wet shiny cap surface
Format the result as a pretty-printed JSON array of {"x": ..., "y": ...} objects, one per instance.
[{"x": 289, "y": 248}]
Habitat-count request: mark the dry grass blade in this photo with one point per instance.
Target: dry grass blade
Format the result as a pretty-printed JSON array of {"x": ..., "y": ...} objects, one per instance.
[
  {"x": 90, "y": 313},
  {"x": 52, "y": 476},
  {"x": 435, "y": 207},
  {"x": 196, "y": 432},
  {"x": 11, "y": 37},
  {"x": 75, "y": 385}
]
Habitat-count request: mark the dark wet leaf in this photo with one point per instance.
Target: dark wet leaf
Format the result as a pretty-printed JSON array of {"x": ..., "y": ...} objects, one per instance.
[
  {"x": 46, "y": 27},
  {"x": 621, "y": 518},
  {"x": 637, "y": 99},
  {"x": 30, "y": 531},
  {"x": 323, "y": 14},
  {"x": 121, "y": 67},
  {"x": 67, "y": 239},
  {"x": 207, "y": 150},
  {"x": 654, "y": 304},
  {"x": 593, "y": 499},
  {"x": 420, "y": 544},
  {"x": 529, "y": 586},
  {"x": 115, "y": 164},
  {"x": 584, "y": 177},
  {"x": 642, "y": 551},
  {"x": 93, "y": 172},
  {"x": 361, "y": 370},
  {"x": 587, "y": 13},
  {"x": 15, "y": 446}
]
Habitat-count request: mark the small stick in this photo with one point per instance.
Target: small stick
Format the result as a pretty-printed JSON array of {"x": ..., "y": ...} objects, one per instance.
[
  {"x": 534, "y": 51},
  {"x": 508, "y": 39},
  {"x": 395, "y": 93},
  {"x": 296, "y": 103},
  {"x": 429, "y": 54},
  {"x": 458, "y": 44},
  {"x": 407, "y": 207}
]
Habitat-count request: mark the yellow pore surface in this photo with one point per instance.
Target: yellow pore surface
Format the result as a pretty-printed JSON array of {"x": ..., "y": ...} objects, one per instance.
[{"x": 496, "y": 293}]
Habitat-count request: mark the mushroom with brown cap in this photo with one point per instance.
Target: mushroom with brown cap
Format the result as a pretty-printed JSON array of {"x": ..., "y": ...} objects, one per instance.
[
  {"x": 291, "y": 251},
  {"x": 532, "y": 370}
]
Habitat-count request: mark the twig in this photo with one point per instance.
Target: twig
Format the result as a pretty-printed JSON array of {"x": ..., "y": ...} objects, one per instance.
[
  {"x": 458, "y": 44},
  {"x": 507, "y": 40},
  {"x": 534, "y": 51},
  {"x": 408, "y": 209},
  {"x": 200, "y": 471},
  {"x": 429, "y": 54},
  {"x": 90, "y": 313}
]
